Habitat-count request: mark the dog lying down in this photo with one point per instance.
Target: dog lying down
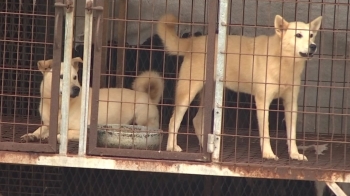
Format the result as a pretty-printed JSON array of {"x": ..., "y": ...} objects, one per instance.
[
  {"x": 267, "y": 67},
  {"x": 116, "y": 105}
]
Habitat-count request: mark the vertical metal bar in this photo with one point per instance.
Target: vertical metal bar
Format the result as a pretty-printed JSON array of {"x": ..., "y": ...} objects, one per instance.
[
  {"x": 209, "y": 81},
  {"x": 219, "y": 83},
  {"x": 68, "y": 45},
  {"x": 96, "y": 76},
  {"x": 121, "y": 42},
  {"x": 105, "y": 27},
  {"x": 57, "y": 52},
  {"x": 84, "y": 112}
]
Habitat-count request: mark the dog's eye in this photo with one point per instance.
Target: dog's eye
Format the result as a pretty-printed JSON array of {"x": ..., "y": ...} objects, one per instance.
[
  {"x": 311, "y": 35},
  {"x": 75, "y": 77},
  {"x": 298, "y": 35},
  {"x": 61, "y": 76}
]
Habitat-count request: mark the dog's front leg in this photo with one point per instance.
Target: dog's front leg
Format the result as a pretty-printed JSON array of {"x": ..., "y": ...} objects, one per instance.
[
  {"x": 290, "y": 111},
  {"x": 40, "y": 133},
  {"x": 185, "y": 93},
  {"x": 262, "y": 106}
]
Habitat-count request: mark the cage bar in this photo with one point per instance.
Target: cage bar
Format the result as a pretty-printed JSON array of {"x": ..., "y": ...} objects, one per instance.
[
  {"x": 219, "y": 84},
  {"x": 68, "y": 45},
  {"x": 86, "y": 78}
]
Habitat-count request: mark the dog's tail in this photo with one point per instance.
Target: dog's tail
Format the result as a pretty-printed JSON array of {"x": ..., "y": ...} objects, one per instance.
[
  {"x": 172, "y": 43},
  {"x": 150, "y": 82}
]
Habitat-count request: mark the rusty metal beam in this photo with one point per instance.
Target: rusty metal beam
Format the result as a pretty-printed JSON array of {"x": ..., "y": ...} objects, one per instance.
[{"x": 179, "y": 167}]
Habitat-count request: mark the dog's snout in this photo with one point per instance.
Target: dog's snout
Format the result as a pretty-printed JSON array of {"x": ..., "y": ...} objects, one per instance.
[
  {"x": 75, "y": 91},
  {"x": 312, "y": 47}
]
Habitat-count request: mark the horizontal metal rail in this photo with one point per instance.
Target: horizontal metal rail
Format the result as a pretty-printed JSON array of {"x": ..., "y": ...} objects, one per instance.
[{"x": 178, "y": 167}]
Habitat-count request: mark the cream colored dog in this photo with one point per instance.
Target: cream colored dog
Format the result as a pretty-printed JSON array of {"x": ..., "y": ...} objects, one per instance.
[
  {"x": 116, "y": 105},
  {"x": 267, "y": 67}
]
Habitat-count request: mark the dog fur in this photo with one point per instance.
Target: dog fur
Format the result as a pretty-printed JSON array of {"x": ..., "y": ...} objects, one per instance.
[
  {"x": 116, "y": 105},
  {"x": 266, "y": 67}
]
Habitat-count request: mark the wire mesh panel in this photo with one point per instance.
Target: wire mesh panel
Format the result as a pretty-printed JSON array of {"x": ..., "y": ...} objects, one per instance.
[
  {"x": 153, "y": 79},
  {"x": 38, "y": 180},
  {"x": 126, "y": 53},
  {"x": 30, "y": 180},
  {"x": 316, "y": 93},
  {"x": 27, "y": 37},
  {"x": 132, "y": 57},
  {"x": 104, "y": 182}
]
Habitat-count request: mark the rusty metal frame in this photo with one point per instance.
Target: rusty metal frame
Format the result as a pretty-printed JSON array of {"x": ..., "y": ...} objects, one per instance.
[
  {"x": 178, "y": 167},
  {"x": 208, "y": 101},
  {"x": 51, "y": 146},
  {"x": 196, "y": 163}
]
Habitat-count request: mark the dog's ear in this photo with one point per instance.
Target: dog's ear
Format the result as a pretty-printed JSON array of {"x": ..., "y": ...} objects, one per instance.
[
  {"x": 280, "y": 25},
  {"x": 75, "y": 62},
  {"x": 45, "y": 65},
  {"x": 316, "y": 24}
]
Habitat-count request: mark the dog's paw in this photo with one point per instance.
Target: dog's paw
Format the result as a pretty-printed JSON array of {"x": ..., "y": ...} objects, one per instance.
[
  {"x": 29, "y": 137},
  {"x": 270, "y": 156},
  {"x": 175, "y": 148},
  {"x": 297, "y": 156}
]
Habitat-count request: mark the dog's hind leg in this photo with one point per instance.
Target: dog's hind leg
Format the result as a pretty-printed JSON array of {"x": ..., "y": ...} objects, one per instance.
[
  {"x": 198, "y": 121},
  {"x": 290, "y": 111},
  {"x": 147, "y": 115},
  {"x": 262, "y": 106},
  {"x": 73, "y": 135},
  {"x": 185, "y": 92}
]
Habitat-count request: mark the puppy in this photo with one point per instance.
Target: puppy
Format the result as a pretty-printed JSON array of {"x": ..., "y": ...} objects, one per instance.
[
  {"x": 267, "y": 67},
  {"x": 116, "y": 105}
]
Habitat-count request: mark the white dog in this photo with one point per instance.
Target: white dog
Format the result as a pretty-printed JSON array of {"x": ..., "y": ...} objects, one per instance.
[
  {"x": 116, "y": 105},
  {"x": 266, "y": 67}
]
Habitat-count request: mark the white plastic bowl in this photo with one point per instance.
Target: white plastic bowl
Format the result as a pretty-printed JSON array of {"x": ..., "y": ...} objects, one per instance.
[{"x": 128, "y": 137}]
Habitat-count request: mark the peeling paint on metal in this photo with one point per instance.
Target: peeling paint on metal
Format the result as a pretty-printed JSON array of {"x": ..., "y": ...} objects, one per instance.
[{"x": 180, "y": 167}]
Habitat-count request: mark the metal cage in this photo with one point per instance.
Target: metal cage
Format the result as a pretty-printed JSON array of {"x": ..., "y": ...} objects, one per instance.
[{"x": 118, "y": 40}]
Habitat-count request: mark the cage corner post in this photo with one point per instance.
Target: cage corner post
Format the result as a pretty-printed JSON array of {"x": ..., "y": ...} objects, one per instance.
[
  {"x": 98, "y": 43},
  {"x": 209, "y": 75},
  {"x": 57, "y": 54},
  {"x": 219, "y": 81}
]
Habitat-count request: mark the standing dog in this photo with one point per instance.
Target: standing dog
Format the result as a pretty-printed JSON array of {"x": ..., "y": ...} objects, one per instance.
[
  {"x": 266, "y": 67},
  {"x": 116, "y": 105}
]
